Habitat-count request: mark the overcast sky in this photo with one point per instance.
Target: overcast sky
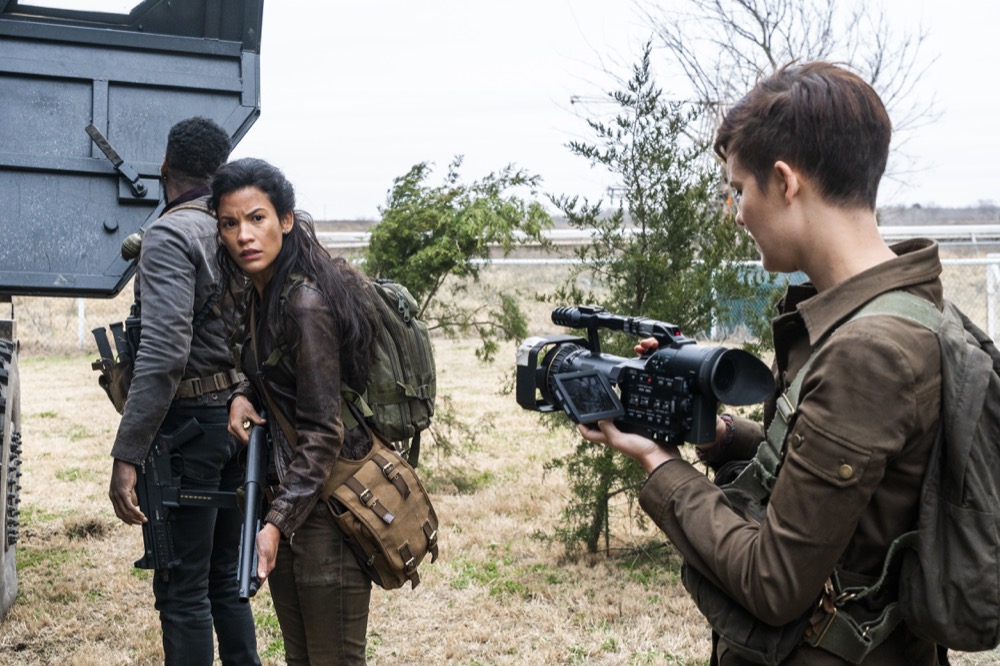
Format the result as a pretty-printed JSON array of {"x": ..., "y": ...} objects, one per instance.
[{"x": 355, "y": 92}]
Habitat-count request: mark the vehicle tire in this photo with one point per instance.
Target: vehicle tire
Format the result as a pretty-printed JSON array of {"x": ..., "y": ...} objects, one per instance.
[{"x": 10, "y": 472}]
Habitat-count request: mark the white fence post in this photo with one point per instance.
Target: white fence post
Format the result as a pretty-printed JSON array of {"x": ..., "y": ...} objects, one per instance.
[
  {"x": 81, "y": 322},
  {"x": 992, "y": 286}
]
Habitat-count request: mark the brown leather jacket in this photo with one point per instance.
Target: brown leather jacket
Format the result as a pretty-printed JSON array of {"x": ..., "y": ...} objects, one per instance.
[
  {"x": 856, "y": 453},
  {"x": 303, "y": 383}
]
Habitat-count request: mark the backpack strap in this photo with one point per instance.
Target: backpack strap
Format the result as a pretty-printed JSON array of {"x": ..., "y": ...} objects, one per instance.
[
  {"x": 839, "y": 633},
  {"x": 759, "y": 476},
  {"x": 194, "y": 204},
  {"x": 283, "y": 423},
  {"x": 192, "y": 388},
  {"x": 349, "y": 398},
  {"x": 196, "y": 386}
]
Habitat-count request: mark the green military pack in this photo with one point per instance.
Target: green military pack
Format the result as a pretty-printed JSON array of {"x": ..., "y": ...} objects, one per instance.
[
  {"x": 398, "y": 400},
  {"x": 949, "y": 589},
  {"x": 402, "y": 381}
]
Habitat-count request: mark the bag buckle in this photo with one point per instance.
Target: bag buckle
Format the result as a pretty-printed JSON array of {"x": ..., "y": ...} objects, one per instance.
[
  {"x": 845, "y": 597},
  {"x": 784, "y": 407},
  {"x": 825, "y": 606},
  {"x": 367, "y": 498},
  {"x": 388, "y": 469}
]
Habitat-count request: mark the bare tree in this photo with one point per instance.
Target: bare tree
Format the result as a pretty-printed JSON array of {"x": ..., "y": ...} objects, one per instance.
[{"x": 724, "y": 46}]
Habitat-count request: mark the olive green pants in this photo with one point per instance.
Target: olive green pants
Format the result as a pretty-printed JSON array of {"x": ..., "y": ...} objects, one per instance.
[{"x": 320, "y": 595}]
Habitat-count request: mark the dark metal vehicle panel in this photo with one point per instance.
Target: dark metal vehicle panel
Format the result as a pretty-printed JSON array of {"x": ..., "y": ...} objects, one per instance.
[
  {"x": 86, "y": 101},
  {"x": 64, "y": 207}
]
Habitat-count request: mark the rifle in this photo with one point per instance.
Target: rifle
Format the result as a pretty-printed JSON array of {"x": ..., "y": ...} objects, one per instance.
[
  {"x": 253, "y": 503},
  {"x": 159, "y": 491}
]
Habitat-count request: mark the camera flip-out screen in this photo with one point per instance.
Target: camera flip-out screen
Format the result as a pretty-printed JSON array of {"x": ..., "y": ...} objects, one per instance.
[{"x": 588, "y": 397}]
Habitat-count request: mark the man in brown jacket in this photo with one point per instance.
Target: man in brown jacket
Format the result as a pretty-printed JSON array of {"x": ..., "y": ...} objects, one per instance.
[{"x": 805, "y": 151}]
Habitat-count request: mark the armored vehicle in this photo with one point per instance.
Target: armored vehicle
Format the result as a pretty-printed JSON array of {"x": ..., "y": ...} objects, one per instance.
[{"x": 87, "y": 97}]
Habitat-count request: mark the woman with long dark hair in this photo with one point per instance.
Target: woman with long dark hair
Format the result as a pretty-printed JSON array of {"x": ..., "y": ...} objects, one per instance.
[{"x": 309, "y": 330}]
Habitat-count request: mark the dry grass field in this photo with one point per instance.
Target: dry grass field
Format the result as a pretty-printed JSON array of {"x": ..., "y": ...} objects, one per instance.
[{"x": 502, "y": 592}]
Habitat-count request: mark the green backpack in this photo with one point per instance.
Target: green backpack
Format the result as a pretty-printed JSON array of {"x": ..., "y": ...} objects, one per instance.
[
  {"x": 948, "y": 567},
  {"x": 398, "y": 401}
]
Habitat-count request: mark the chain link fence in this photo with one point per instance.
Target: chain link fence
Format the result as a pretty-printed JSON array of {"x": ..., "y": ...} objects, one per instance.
[
  {"x": 971, "y": 279},
  {"x": 972, "y": 284},
  {"x": 970, "y": 255}
]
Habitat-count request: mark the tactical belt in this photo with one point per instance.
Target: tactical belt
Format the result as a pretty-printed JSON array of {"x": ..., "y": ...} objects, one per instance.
[{"x": 192, "y": 388}]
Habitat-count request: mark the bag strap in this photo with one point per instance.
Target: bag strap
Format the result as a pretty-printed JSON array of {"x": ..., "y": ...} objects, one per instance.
[
  {"x": 283, "y": 423},
  {"x": 840, "y": 634},
  {"x": 368, "y": 498},
  {"x": 347, "y": 414},
  {"x": 760, "y": 475}
]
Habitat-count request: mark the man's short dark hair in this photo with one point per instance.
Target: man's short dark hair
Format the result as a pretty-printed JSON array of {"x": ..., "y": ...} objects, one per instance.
[
  {"x": 819, "y": 118},
  {"x": 196, "y": 148}
]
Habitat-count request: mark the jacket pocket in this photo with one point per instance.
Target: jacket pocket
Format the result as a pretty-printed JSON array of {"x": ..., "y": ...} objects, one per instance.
[{"x": 839, "y": 462}]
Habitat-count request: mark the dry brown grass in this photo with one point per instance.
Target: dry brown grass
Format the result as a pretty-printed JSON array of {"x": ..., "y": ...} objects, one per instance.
[{"x": 501, "y": 593}]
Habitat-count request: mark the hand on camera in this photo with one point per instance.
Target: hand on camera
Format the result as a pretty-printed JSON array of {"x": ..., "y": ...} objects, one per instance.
[
  {"x": 647, "y": 345},
  {"x": 643, "y": 450}
]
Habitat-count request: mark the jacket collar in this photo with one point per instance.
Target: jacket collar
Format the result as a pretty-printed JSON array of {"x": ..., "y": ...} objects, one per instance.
[
  {"x": 916, "y": 263},
  {"x": 190, "y": 195}
]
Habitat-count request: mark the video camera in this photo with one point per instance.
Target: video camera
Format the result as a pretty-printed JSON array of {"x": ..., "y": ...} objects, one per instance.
[{"x": 669, "y": 394}]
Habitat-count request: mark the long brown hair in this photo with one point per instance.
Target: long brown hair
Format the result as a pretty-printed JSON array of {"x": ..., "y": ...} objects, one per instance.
[{"x": 344, "y": 287}]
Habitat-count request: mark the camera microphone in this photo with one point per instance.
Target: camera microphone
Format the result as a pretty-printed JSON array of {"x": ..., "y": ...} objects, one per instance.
[{"x": 574, "y": 317}]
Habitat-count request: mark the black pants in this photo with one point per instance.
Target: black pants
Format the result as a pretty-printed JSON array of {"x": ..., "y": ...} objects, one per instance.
[{"x": 202, "y": 590}]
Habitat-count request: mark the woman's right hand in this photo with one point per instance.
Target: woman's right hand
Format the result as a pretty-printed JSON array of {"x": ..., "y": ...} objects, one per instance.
[
  {"x": 643, "y": 450},
  {"x": 242, "y": 417}
]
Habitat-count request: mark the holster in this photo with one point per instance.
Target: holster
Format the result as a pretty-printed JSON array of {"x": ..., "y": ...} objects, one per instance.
[{"x": 115, "y": 379}]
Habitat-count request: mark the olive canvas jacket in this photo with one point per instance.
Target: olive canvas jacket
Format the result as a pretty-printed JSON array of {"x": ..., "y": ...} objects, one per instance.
[
  {"x": 855, "y": 457},
  {"x": 177, "y": 275},
  {"x": 305, "y": 386}
]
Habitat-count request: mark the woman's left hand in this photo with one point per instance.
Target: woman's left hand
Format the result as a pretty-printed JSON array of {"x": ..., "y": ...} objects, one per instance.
[
  {"x": 643, "y": 450},
  {"x": 267, "y": 550}
]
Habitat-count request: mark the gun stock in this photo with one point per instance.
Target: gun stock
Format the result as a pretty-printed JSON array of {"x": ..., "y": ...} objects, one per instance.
[
  {"x": 153, "y": 478},
  {"x": 253, "y": 488}
]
